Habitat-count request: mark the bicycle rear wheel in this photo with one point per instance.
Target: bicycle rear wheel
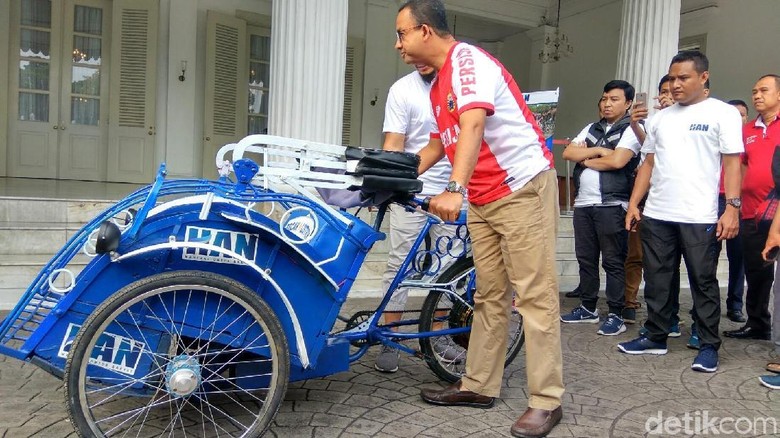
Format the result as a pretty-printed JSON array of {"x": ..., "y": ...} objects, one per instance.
[
  {"x": 183, "y": 353},
  {"x": 446, "y": 355}
]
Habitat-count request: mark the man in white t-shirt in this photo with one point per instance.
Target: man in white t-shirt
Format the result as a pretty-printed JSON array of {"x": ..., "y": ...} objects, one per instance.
[
  {"x": 685, "y": 146},
  {"x": 606, "y": 153},
  {"x": 407, "y": 128}
]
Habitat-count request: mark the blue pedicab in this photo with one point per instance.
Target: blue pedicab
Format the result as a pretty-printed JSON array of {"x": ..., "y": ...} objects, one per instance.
[{"x": 203, "y": 299}]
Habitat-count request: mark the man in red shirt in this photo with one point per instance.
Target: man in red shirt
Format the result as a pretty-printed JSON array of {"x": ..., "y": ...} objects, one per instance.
[
  {"x": 760, "y": 138},
  {"x": 501, "y": 166}
]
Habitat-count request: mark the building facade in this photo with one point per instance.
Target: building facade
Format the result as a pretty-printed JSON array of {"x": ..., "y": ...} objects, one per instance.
[{"x": 105, "y": 90}]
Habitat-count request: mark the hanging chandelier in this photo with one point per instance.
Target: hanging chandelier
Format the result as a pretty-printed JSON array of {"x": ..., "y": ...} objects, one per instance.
[
  {"x": 556, "y": 46},
  {"x": 556, "y": 43}
]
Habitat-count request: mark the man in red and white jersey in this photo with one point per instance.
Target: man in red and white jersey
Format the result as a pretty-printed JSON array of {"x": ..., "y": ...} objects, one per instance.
[{"x": 501, "y": 165}]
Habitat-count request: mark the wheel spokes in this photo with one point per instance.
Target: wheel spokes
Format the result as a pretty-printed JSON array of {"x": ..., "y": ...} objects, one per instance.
[{"x": 229, "y": 396}]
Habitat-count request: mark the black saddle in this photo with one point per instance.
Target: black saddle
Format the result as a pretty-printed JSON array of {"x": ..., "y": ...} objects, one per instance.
[{"x": 385, "y": 171}]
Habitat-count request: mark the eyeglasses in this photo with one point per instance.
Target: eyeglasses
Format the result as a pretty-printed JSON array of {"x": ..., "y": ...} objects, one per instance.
[{"x": 400, "y": 33}]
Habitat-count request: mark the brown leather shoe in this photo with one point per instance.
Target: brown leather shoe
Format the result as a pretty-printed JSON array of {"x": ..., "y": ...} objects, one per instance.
[
  {"x": 536, "y": 422},
  {"x": 453, "y": 396},
  {"x": 773, "y": 367}
]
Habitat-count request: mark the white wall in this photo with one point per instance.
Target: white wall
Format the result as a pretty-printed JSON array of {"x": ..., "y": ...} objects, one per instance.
[
  {"x": 742, "y": 45},
  {"x": 515, "y": 55},
  {"x": 181, "y": 104},
  {"x": 381, "y": 63},
  {"x": 594, "y": 34}
]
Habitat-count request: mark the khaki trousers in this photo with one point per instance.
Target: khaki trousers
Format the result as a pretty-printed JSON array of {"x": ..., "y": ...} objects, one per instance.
[
  {"x": 513, "y": 239},
  {"x": 633, "y": 269}
]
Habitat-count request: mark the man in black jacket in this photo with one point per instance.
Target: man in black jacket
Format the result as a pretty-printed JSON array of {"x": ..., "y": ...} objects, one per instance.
[{"x": 606, "y": 153}]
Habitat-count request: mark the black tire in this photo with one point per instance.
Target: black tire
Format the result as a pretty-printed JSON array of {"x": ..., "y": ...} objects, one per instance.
[
  {"x": 193, "y": 375},
  {"x": 451, "y": 314}
]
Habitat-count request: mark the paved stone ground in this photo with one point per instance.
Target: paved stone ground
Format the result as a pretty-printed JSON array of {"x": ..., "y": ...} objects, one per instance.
[{"x": 608, "y": 394}]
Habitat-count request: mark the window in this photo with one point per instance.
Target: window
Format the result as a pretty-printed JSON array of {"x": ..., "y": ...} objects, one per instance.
[
  {"x": 695, "y": 42},
  {"x": 86, "y": 64},
  {"x": 259, "y": 74},
  {"x": 34, "y": 60}
]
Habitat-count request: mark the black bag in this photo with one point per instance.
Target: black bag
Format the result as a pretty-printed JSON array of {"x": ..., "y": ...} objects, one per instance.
[{"x": 383, "y": 163}]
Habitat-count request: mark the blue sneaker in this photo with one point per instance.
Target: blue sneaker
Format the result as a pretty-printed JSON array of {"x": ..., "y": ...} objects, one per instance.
[
  {"x": 771, "y": 381},
  {"x": 612, "y": 326},
  {"x": 642, "y": 345},
  {"x": 581, "y": 314},
  {"x": 674, "y": 331},
  {"x": 693, "y": 341},
  {"x": 707, "y": 360}
]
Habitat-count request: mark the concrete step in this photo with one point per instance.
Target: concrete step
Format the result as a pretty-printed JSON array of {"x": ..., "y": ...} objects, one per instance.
[
  {"x": 72, "y": 213},
  {"x": 17, "y": 271}
]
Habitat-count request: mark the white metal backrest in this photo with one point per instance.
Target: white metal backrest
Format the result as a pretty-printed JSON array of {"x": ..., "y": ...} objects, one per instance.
[{"x": 292, "y": 162}]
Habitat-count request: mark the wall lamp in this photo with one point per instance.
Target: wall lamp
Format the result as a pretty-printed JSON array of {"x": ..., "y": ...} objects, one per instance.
[{"x": 183, "y": 70}]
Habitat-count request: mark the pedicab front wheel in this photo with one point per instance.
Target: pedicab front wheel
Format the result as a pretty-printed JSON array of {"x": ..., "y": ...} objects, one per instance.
[
  {"x": 446, "y": 355},
  {"x": 178, "y": 351}
]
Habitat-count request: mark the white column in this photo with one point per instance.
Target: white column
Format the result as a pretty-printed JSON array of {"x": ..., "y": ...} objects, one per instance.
[
  {"x": 308, "y": 54},
  {"x": 649, "y": 36}
]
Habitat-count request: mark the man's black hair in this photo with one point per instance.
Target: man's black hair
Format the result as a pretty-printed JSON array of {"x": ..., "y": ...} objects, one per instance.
[
  {"x": 628, "y": 89},
  {"x": 430, "y": 12},
  {"x": 739, "y": 102},
  {"x": 772, "y": 75},
  {"x": 664, "y": 80},
  {"x": 700, "y": 61}
]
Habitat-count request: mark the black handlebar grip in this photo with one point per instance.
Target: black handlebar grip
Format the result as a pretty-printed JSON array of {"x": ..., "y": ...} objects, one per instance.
[{"x": 426, "y": 203}]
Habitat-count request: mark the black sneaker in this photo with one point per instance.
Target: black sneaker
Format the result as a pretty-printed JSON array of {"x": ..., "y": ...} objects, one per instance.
[
  {"x": 736, "y": 316},
  {"x": 629, "y": 316}
]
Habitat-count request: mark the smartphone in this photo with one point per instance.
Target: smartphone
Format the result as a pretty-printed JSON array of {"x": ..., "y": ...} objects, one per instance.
[{"x": 640, "y": 100}]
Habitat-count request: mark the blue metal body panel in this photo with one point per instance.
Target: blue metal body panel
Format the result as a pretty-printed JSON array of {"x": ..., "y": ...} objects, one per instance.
[{"x": 306, "y": 263}]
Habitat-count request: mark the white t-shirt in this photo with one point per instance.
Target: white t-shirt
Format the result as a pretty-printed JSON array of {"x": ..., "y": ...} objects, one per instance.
[
  {"x": 688, "y": 142},
  {"x": 589, "y": 193},
  {"x": 408, "y": 112}
]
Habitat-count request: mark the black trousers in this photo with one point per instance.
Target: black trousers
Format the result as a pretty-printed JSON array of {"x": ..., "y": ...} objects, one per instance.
[
  {"x": 601, "y": 231},
  {"x": 734, "y": 252},
  {"x": 759, "y": 274},
  {"x": 662, "y": 244}
]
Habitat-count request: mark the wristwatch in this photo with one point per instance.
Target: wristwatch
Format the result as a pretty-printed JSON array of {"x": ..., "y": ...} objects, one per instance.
[
  {"x": 454, "y": 187},
  {"x": 734, "y": 202}
]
